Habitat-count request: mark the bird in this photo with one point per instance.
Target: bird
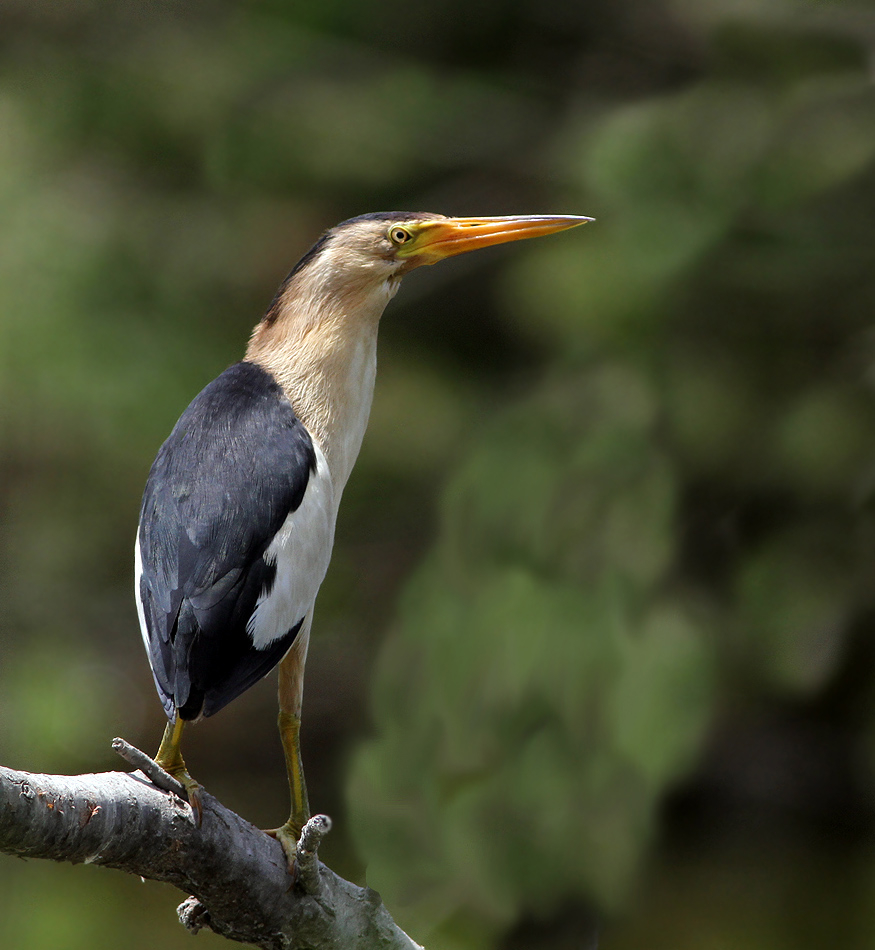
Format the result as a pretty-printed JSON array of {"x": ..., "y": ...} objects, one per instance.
[{"x": 238, "y": 513}]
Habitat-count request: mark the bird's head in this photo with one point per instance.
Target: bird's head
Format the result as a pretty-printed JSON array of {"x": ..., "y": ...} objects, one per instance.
[
  {"x": 373, "y": 251},
  {"x": 318, "y": 337},
  {"x": 394, "y": 242},
  {"x": 353, "y": 270}
]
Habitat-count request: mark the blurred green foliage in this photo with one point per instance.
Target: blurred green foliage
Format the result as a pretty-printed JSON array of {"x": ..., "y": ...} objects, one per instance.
[
  {"x": 597, "y": 637},
  {"x": 545, "y": 678}
]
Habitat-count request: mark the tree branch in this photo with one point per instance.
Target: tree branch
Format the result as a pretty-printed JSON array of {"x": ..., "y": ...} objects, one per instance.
[{"x": 237, "y": 875}]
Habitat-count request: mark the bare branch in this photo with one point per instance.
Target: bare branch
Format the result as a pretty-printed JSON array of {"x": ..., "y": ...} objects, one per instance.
[
  {"x": 149, "y": 767},
  {"x": 308, "y": 844},
  {"x": 237, "y": 875}
]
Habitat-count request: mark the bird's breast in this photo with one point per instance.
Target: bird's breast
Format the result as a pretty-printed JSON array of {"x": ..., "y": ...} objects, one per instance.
[
  {"x": 300, "y": 551},
  {"x": 354, "y": 395},
  {"x": 325, "y": 360},
  {"x": 331, "y": 387}
]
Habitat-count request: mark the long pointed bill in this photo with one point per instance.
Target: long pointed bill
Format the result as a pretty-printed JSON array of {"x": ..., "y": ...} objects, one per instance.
[{"x": 436, "y": 240}]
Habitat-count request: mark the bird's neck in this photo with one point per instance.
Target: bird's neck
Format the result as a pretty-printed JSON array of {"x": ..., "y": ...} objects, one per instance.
[{"x": 325, "y": 359}]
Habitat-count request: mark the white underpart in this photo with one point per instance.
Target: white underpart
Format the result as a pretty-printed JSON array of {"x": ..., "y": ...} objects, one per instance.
[
  {"x": 353, "y": 411},
  {"x": 301, "y": 551}
]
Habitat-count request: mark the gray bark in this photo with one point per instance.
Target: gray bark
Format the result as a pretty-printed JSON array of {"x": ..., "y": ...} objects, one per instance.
[{"x": 237, "y": 875}]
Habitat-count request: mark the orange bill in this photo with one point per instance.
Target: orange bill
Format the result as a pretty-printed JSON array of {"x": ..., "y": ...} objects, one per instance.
[{"x": 436, "y": 240}]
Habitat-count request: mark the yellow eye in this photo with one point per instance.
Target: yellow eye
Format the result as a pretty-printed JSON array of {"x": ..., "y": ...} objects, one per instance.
[{"x": 399, "y": 235}]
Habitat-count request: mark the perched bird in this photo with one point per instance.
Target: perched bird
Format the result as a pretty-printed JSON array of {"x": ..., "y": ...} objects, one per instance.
[{"x": 237, "y": 521}]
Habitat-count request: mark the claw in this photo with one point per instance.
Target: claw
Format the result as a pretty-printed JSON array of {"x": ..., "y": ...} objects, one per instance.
[{"x": 193, "y": 790}]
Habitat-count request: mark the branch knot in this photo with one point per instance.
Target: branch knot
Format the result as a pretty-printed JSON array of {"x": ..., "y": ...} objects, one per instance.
[{"x": 193, "y": 915}]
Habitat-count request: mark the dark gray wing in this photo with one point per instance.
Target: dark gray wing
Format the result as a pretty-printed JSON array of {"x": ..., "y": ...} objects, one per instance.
[{"x": 235, "y": 465}]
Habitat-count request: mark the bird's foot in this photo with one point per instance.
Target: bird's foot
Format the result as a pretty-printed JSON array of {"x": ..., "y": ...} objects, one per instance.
[
  {"x": 166, "y": 775},
  {"x": 300, "y": 850},
  {"x": 169, "y": 757},
  {"x": 192, "y": 788},
  {"x": 288, "y": 836}
]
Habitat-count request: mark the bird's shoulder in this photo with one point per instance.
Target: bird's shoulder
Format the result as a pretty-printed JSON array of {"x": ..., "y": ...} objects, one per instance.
[
  {"x": 241, "y": 411},
  {"x": 236, "y": 464},
  {"x": 241, "y": 427}
]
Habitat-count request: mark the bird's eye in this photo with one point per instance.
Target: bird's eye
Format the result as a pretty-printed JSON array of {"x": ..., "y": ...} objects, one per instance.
[{"x": 399, "y": 235}]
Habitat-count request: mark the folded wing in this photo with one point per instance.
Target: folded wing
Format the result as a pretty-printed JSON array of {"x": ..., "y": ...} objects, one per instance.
[{"x": 231, "y": 477}]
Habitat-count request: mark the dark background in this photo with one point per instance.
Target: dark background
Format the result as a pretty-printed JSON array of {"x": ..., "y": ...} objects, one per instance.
[{"x": 597, "y": 639}]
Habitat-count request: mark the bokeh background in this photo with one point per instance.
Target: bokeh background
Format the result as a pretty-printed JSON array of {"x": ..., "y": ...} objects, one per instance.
[{"x": 595, "y": 654}]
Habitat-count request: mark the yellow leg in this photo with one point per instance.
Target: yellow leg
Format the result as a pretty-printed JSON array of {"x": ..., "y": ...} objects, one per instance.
[
  {"x": 291, "y": 682},
  {"x": 288, "y": 834},
  {"x": 290, "y": 734},
  {"x": 169, "y": 757}
]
